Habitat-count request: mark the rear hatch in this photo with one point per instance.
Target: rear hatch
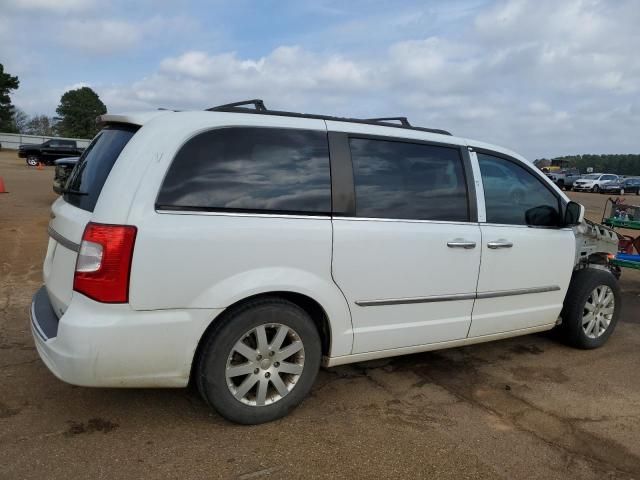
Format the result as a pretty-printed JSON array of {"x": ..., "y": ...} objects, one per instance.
[{"x": 73, "y": 210}]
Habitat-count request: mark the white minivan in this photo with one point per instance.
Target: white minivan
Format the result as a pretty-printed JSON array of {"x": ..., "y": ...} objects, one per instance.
[{"x": 241, "y": 248}]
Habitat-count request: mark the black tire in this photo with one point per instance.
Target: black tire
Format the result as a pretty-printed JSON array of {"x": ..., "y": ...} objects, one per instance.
[
  {"x": 561, "y": 185},
  {"x": 32, "y": 161},
  {"x": 595, "y": 189},
  {"x": 219, "y": 344},
  {"x": 583, "y": 283}
]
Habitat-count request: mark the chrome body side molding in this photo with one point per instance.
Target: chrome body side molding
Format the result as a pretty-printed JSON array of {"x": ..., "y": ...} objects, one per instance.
[{"x": 457, "y": 296}]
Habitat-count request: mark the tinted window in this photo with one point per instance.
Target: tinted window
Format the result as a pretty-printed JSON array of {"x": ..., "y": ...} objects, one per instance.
[
  {"x": 93, "y": 168},
  {"x": 266, "y": 169},
  {"x": 407, "y": 180},
  {"x": 514, "y": 196},
  {"x": 608, "y": 177}
]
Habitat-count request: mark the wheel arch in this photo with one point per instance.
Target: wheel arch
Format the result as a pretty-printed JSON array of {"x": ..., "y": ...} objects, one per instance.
[
  {"x": 311, "y": 306},
  {"x": 598, "y": 258},
  {"x": 598, "y": 261}
]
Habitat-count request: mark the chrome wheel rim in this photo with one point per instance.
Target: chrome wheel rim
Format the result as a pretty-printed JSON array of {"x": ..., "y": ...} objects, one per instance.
[
  {"x": 265, "y": 364},
  {"x": 31, "y": 161},
  {"x": 598, "y": 311}
]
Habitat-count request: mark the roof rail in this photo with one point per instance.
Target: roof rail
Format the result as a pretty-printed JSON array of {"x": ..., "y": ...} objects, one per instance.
[
  {"x": 260, "y": 108},
  {"x": 256, "y": 102},
  {"x": 403, "y": 120}
]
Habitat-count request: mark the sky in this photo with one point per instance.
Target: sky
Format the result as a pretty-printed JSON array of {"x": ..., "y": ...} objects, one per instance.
[{"x": 542, "y": 77}]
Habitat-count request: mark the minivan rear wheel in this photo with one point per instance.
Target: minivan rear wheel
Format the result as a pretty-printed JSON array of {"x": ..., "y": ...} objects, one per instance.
[{"x": 260, "y": 361}]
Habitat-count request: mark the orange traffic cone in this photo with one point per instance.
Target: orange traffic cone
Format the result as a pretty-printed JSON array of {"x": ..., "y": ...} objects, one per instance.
[
  {"x": 2, "y": 189},
  {"x": 40, "y": 166}
]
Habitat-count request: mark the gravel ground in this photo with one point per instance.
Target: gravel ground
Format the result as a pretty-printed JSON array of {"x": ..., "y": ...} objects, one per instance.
[{"x": 522, "y": 408}]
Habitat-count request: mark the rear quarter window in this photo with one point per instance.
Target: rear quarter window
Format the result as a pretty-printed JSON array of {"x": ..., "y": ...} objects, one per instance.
[
  {"x": 91, "y": 172},
  {"x": 248, "y": 169}
]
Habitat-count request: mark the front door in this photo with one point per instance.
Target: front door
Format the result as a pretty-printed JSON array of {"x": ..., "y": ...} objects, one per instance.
[
  {"x": 527, "y": 260},
  {"x": 408, "y": 260}
]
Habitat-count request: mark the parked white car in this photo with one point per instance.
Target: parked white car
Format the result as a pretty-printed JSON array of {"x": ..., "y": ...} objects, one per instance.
[
  {"x": 242, "y": 248},
  {"x": 593, "y": 182}
]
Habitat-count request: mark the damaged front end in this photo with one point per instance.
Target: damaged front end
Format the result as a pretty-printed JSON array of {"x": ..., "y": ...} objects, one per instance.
[{"x": 595, "y": 246}]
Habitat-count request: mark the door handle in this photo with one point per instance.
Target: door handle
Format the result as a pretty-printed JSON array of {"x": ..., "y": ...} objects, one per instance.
[
  {"x": 461, "y": 243},
  {"x": 500, "y": 244}
]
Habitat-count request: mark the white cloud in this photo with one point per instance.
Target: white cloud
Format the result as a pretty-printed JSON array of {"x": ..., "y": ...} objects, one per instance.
[
  {"x": 98, "y": 36},
  {"x": 51, "y": 5},
  {"x": 542, "y": 77},
  {"x": 103, "y": 36}
]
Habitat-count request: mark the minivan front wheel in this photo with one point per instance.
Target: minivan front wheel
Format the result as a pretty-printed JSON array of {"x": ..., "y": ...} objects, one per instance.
[
  {"x": 260, "y": 361},
  {"x": 591, "y": 308}
]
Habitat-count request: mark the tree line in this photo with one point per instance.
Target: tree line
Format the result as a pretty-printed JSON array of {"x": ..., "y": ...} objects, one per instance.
[
  {"x": 76, "y": 113},
  {"x": 621, "y": 164}
]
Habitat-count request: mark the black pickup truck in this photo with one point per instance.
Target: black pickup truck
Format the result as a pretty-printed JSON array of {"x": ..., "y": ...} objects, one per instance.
[{"x": 49, "y": 151}]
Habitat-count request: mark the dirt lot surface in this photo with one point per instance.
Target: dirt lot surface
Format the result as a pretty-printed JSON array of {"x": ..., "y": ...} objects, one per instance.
[{"x": 527, "y": 407}]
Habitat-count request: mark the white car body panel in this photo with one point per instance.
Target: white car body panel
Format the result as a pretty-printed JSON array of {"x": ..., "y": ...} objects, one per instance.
[
  {"x": 59, "y": 266},
  {"x": 114, "y": 346},
  {"x": 363, "y": 357},
  {"x": 225, "y": 258},
  {"x": 540, "y": 258},
  {"x": 403, "y": 260},
  {"x": 546, "y": 255}
]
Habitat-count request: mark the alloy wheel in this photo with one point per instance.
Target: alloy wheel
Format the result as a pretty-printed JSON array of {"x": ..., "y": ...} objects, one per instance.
[
  {"x": 265, "y": 364},
  {"x": 598, "y": 311}
]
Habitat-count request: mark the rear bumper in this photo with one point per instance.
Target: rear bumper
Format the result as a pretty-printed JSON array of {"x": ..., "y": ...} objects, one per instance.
[{"x": 100, "y": 345}]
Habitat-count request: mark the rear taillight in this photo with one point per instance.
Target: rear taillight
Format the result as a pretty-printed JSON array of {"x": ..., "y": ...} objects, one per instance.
[{"x": 104, "y": 262}]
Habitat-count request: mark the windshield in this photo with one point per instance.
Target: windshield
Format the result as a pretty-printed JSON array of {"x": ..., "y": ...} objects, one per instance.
[
  {"x": 88, "y": 177},
  {"x": 593, "y": 176}
]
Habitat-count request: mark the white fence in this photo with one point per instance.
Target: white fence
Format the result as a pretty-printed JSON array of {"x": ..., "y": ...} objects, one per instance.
[{"x": 12, "y": 140}]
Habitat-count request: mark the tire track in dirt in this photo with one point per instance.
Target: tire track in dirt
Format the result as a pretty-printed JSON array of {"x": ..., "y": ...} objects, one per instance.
[{"x": 463, "y": 379}]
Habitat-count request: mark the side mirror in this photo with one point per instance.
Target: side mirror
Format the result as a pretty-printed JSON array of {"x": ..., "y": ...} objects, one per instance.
[
  {"x": 542, "y": 216},
  {"x": 573, "y": 214}
]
